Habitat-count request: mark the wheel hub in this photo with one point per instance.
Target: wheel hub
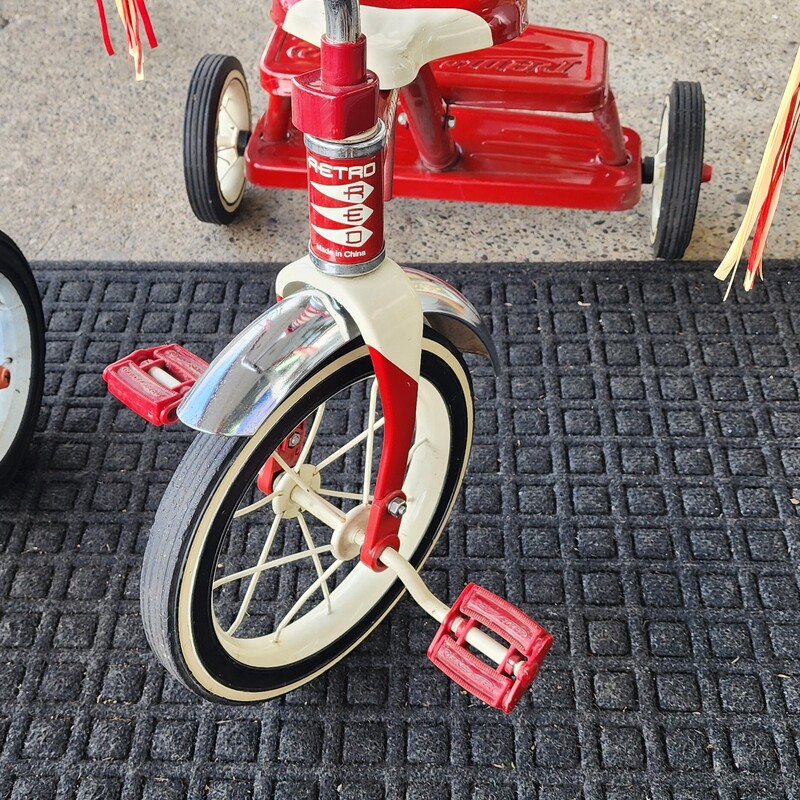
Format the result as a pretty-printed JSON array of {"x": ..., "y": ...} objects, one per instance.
[
  {"x": 287, "y": 502},
  {"x": 348, "y": 537}
]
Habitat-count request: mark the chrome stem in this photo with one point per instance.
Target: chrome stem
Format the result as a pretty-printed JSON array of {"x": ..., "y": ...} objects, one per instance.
[{"x": 342, "y": 21}]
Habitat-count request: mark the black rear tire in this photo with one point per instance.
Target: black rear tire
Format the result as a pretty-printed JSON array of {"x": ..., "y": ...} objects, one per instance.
[
  {"x": 22, "y": 353},
  {"x": 678, "y": 170},
  {"x": 216, "y": 124}
]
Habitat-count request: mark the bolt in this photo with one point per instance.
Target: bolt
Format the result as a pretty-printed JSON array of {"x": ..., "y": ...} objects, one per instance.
[
  {"x": 294, "y": 439},
  {"x": 397, "y": 507},
  {"x": 451, "y": 122}
]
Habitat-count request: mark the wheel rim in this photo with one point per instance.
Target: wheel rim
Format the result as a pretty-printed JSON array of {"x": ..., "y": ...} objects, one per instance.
[
  {"x": 233, "y": 117},
  {"x": 16, "y": 355},
  {"x": 659, "y": 172},
  {"x": 329, "y": 596}
]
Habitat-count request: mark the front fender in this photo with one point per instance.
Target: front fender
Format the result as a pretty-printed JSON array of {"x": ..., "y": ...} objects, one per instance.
[{"x": 274, "y": 354}]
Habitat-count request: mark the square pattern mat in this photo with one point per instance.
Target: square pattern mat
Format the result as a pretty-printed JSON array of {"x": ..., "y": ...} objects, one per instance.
[{"x": 634, "y": 486}]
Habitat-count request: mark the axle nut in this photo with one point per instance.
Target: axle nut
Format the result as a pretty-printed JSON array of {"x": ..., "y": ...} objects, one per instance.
[{"x": 397, "y": 507}]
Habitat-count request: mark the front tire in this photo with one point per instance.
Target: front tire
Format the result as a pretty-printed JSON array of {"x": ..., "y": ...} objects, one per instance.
[
  {"x": 217, "y": 125},
  {"x": 21, "y": 353},
  {"x": 241, "y": 639}
]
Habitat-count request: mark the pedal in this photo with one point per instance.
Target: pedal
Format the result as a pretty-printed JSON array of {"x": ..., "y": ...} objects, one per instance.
[
  {"x": 527, "y": 645},
  {"x": 153, "y": 381}
]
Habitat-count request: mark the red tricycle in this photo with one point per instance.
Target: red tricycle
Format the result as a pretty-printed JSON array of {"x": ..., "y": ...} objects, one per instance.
[
  {"x": 335, "y": 429},
  {"x": 479, "y": 106}
]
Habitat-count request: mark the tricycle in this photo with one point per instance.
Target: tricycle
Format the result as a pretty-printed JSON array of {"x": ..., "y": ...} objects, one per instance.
[
  {"x": 335, "y": 429},
  {"x": 478, "y": 105}
]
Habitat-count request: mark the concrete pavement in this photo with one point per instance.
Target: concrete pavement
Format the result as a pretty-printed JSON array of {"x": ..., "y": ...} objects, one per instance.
[{"x": 92, "y": 160}]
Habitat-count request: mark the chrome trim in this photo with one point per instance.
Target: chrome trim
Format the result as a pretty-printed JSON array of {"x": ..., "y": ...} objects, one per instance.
[
  {"x": 361, "y": 146},
  {"x": 264, "y": 363},
  {"x": 271, "y": 357},
  {"x": 347, "y": 270},
  {"x": 450, "y": 313}
]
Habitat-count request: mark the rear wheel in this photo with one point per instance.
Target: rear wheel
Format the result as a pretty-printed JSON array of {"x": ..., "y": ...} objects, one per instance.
[
  {"x": 246, "y": 596},
  {"x": 21, "y": 356},
  {"x": 216, "y": 129},
  {"x": 677, "y": 170}
]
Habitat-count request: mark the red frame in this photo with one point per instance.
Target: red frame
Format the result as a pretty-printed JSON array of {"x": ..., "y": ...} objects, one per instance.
[
  {"x": 340, "y": 101},
  {"x": 479, "y": 126}
]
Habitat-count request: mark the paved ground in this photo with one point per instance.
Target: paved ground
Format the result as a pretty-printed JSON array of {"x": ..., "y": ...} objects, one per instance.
[{"x": 92, "y": 161}]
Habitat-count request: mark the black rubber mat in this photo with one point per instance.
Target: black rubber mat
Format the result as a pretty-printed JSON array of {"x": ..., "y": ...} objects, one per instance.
[{"x": 634, "y": 486}]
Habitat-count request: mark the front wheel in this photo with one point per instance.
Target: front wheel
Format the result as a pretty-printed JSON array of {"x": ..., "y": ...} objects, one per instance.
[
  {"x": 21, "y": 355},
  {"x": 247, "y": 595}
]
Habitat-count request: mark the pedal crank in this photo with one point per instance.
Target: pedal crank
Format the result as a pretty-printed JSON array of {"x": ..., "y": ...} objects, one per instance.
[
  {"x": 516, "y": 660},
  {"x": 153, "y": 381}
]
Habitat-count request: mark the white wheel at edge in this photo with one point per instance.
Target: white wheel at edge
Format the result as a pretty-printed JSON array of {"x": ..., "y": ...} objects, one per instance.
[
  {"x": 233, "y": 118},
  {"x": 22, "y": 352},
  {"x": 659, "y": 169},
  {"x": 16, "y": 352}
]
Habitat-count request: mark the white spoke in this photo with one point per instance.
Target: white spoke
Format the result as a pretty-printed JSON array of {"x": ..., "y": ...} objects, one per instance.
[
  {"x": 292, "y": 474},
  {"x": 243, "y": 512},
  {"x": 342, "y": 495},
  {"x": 324, "y": 511},
  {"x": 349, "y": 446},
  {"x": 225, "y": 174},
  {"x": 276, "y": 562},
  {"x": 303, "y": 597},
  {"x": 256, "y": 576},
  {"x": 373, "y": 405},
  {"x": 312, "y": 434},
  {"x": 315, "y": 558}
]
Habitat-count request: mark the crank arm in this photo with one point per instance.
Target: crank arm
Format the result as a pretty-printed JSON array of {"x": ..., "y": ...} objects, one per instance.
[{"x": 517, "y": 662}]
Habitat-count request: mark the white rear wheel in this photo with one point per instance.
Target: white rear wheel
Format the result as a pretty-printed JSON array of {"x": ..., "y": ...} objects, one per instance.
[
  {"x": 216, "y": 129},
  {"x": 677, "y": 170}
]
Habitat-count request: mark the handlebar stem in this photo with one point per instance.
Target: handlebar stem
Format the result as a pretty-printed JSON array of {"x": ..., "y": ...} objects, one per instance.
[
  {"x": 342, "y": 21},
  {"x": 340, "y": 100}
]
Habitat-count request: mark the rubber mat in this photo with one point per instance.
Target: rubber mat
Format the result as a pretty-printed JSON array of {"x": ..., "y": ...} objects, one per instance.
[{"x": 634, "y": 486}]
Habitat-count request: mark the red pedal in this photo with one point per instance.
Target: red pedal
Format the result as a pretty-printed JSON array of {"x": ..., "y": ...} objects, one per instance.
[
  {"x": 153, "y": 381},
  {"x": 501, "y": 686}
]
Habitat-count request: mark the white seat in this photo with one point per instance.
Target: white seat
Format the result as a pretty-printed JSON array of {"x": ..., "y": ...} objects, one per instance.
[{"x": 399, "y": 40}]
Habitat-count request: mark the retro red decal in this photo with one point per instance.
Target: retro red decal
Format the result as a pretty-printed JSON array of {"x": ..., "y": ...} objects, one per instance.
[{"x": 345, "y": 209}]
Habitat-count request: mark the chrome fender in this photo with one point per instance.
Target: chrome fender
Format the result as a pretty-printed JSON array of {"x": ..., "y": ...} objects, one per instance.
[{"x": 264, "y": 363}]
